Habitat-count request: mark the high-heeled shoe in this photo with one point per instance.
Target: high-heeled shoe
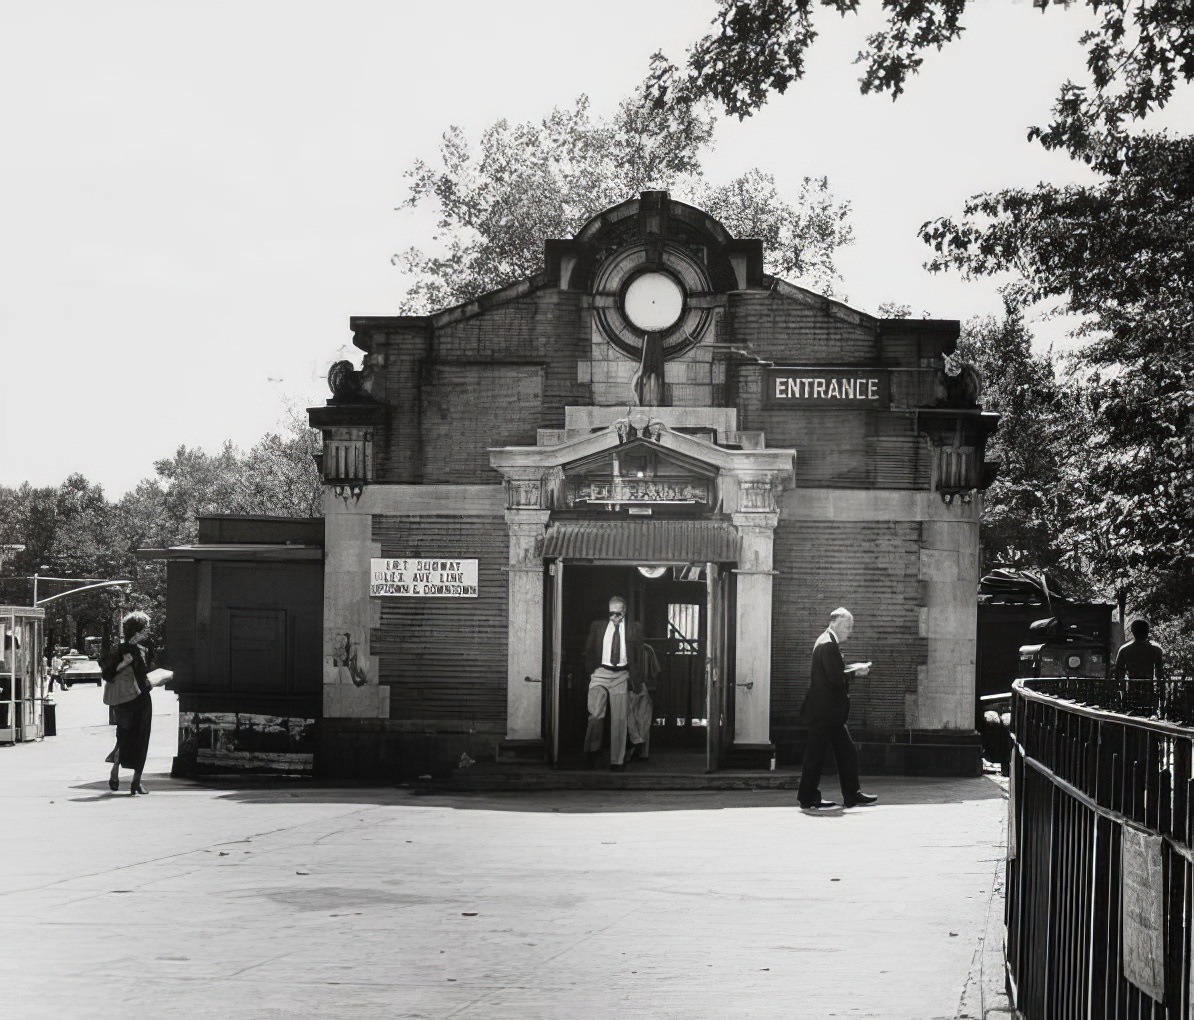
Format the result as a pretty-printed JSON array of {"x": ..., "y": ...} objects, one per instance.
[
  {"x": 113, "y": 784},
  {"x": 137, "y": 788}
]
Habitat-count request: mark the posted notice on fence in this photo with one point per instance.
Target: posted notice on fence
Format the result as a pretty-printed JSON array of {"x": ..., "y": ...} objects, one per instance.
[
  {"x": 1143, "y": 912},
  {"x": 426, "y": 577}
]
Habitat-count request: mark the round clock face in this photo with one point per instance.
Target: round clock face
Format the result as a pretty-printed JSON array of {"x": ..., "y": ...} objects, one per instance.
[{"x": 654, "y": 301}]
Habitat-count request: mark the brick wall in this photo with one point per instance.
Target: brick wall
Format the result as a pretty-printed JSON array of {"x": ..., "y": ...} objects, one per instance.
[
  {"x": 787, "y": 330},
  {"x": 873, "y": 570},
  {"x": 469, "y": 407},
  {"x": 838, "y": 449},
  {"x": 512, "y": 366},
  {"x": 444, "y": 660}
]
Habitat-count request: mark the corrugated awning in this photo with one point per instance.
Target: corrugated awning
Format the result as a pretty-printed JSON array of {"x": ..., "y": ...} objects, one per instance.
[{"x": 642, "y": 541}]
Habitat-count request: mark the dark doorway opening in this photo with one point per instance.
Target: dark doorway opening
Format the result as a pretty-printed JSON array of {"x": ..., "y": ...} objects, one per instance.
[{"x": 673, "y": 610}]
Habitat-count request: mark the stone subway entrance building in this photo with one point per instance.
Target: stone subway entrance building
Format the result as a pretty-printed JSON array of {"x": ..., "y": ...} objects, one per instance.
[{"x": 656, "y": 417}]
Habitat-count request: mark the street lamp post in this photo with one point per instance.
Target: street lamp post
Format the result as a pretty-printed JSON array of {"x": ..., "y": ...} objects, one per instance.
[
  {"x": 86, "y": 587},
  {"x": 44, "y": 566}
]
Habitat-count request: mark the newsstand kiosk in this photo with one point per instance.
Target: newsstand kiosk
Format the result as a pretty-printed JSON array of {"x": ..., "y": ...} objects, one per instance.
[{"x": 22, "y": 674}]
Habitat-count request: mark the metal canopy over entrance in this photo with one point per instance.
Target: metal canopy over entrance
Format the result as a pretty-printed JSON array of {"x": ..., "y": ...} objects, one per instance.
[{"x": 642, "y": 541}]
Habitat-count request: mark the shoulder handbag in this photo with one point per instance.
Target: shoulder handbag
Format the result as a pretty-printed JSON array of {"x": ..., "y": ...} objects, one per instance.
[{"x": 122, "y": 687}]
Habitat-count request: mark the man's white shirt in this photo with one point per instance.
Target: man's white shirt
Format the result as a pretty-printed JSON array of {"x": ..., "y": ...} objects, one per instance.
[{"x": 608, "y": 640}]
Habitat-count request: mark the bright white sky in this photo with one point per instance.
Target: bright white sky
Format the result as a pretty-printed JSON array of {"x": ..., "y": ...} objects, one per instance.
[{"x": 198, "y": 194}]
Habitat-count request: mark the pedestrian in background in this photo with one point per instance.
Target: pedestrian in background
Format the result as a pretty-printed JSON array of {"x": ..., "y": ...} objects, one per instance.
[
  {"x": 640, "y": 710},
  {"x": 1139, "y": 659},
  {"x": 126, "y": 671}
]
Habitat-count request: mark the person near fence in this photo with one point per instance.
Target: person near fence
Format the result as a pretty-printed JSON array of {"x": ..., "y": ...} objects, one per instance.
[
  {"x": 613, "y": 659},
  {"x": 826, "y": 709},
  {"x": 1140, "y": 658},
  {"x": 127, "y": 690}
]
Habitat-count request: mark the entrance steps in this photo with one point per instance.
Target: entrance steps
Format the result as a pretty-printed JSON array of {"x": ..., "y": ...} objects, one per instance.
[{"x": 665, "y": 770}]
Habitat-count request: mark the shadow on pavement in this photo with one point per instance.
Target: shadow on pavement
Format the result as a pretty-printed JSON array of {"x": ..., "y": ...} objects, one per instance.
[{"x": 893, "y": 792}]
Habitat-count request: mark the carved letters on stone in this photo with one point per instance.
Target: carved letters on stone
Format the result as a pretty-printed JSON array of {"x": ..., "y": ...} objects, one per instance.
[{"x": 633, "y": 491}]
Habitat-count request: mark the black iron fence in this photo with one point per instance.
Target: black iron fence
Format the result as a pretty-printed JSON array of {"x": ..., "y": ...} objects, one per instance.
[{"x": 1100, "y": 869}]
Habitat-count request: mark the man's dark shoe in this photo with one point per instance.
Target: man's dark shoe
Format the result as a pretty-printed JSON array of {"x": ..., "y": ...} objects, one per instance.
[
  {"x": 590, "y": 759},
  {"x": 861, "y": 799},
  {"x": 817, "y": 805},
  {"x": 617, "y": 768},
  {"x": 633, "y": 753}
]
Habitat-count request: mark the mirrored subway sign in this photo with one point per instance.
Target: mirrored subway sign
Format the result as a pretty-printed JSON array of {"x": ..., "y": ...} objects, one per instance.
[{"x": 424, "y": 577}]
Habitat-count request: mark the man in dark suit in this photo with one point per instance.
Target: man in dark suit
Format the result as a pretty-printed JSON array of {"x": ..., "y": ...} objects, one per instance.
[
  {"x": 614, "y": 661},
  {"x": 826, "y": 708}
]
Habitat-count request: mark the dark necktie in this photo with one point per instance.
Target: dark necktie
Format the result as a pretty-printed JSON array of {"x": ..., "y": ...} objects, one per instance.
[{"x": 615, "y": 646}]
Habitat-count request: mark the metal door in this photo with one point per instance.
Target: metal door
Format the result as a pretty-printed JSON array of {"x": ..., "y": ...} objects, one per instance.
[
  {"x": 715, "y": 665},
  {"x": 555, "y": 652}
]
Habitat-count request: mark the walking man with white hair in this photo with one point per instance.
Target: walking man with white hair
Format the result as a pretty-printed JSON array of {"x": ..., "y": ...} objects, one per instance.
[{"x": 826, "y": 709}]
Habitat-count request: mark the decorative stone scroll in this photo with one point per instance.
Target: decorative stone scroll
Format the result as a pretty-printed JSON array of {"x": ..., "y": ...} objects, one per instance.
[
  {"x": 524, "y": 493},
  {"x": 759, "y": 495}
]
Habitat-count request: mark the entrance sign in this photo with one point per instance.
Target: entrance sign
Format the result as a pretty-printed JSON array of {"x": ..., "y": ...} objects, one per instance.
[
  {"x": 425, "y": 577},
  {"x": 639, "y": 491},
  {"x": 1143, "y": 912},
  {"x": 827, "y": 387}
]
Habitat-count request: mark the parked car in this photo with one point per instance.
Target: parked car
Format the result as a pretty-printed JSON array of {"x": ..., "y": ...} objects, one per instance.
[{"x": 79, "y": 669}]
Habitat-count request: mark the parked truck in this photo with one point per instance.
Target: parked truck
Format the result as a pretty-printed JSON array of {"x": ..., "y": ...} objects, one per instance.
[{"x": 1026, "y": 628}]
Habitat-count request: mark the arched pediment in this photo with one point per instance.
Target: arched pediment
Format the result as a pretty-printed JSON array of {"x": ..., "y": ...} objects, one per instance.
[{"x": 648, "y": 466}]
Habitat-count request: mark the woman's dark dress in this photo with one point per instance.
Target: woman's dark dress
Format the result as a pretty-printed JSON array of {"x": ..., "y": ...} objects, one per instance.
[{"x": 134, "y": 718}]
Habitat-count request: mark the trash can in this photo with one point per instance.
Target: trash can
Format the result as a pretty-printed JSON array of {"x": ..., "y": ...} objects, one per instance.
[{"x": 49, "y": 719}]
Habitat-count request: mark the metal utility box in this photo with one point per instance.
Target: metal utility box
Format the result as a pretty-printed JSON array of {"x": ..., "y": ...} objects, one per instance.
[{"x": 22, "y": 673}]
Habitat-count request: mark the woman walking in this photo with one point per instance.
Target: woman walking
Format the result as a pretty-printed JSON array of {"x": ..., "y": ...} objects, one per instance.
[{"x": 128, "y": 692}]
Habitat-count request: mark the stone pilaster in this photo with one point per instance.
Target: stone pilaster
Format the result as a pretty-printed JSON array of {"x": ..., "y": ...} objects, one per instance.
[
  {"x": 752, "y": 666},
  {"x": 524, "y": 680},
  {"x": 949, "y": 573},
  {"x": 351, "y": 689}
]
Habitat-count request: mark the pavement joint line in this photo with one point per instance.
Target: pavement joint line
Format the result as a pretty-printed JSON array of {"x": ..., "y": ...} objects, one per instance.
[
  {"x": 580, "y": 940},
  {"x": 45, "y": 886}
]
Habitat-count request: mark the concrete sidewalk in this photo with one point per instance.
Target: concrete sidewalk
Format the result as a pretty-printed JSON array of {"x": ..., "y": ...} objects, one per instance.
[{"x": 295, "y": 900}]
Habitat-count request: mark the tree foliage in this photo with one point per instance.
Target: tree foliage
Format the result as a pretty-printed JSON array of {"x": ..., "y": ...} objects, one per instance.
[
  {"x": 1136, "y": 55},
  {"x": 498, "y": 201},
  {"x": 1120, "y": 254},
  {"x": 1027, "y": 509},
  {"x": 799, "y": 239},
  {"x": 1117, "y": 252}
]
